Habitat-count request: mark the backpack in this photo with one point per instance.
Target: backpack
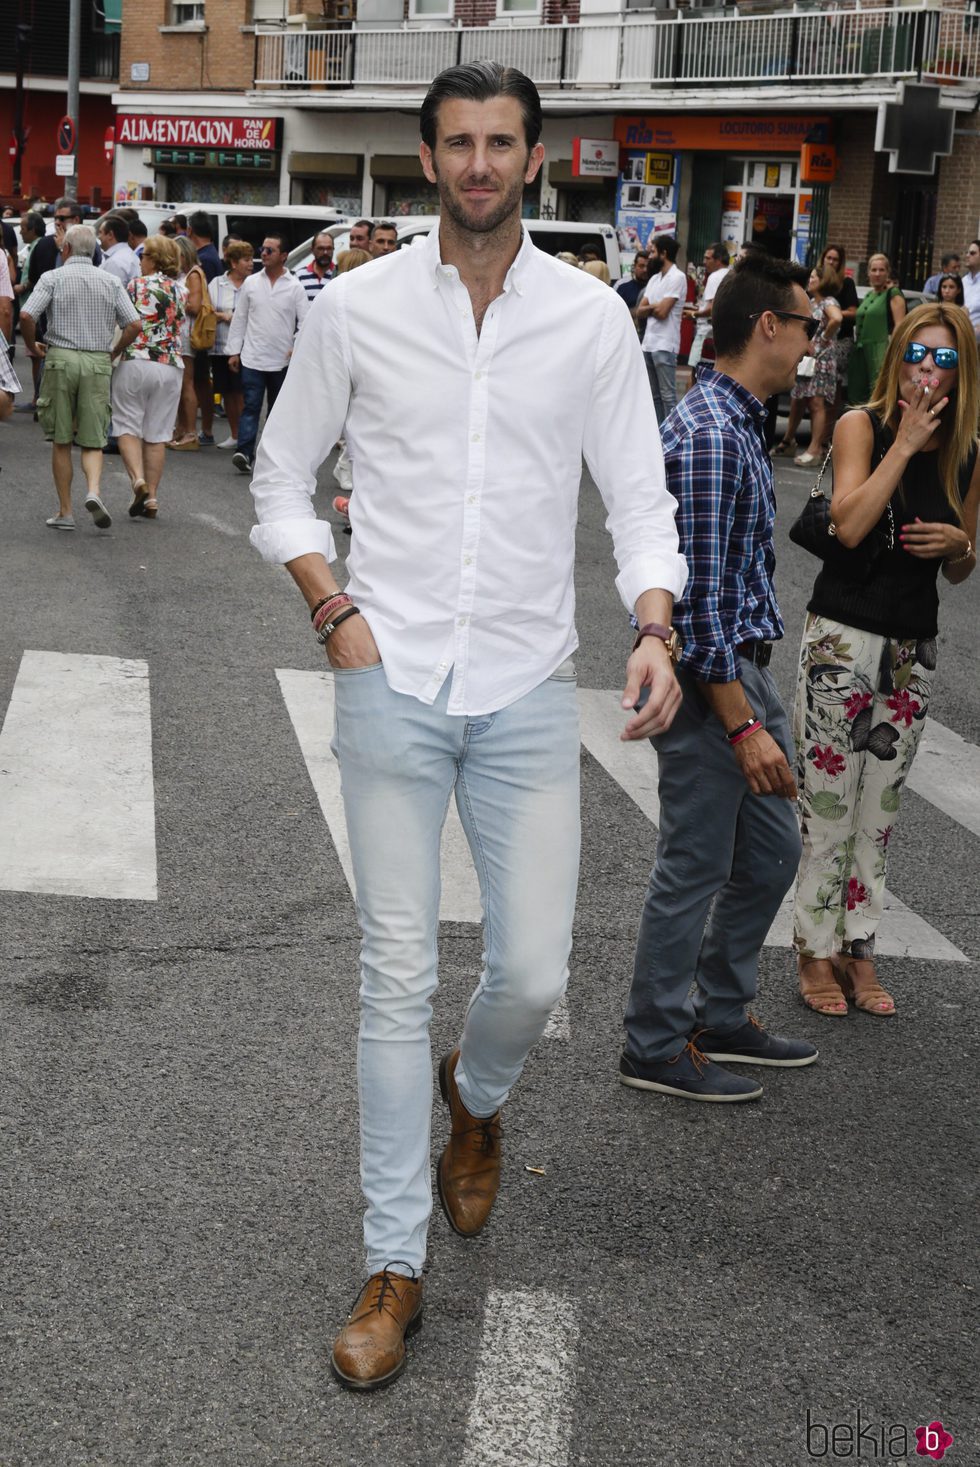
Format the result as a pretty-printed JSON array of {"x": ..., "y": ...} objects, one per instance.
[{"x": 205, "y": 323}]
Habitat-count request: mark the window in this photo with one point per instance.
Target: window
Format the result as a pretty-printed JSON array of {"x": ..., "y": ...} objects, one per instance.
[
  {"x": 518, "y": 7},
  {"x": 430, "y": 9},
  {"x": 265, "y": 11},
  {"x": 187, "y": 12}
]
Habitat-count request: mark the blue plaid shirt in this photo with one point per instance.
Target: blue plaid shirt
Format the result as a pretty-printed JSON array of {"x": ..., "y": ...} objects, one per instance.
[{"x": 718, "y": 470}]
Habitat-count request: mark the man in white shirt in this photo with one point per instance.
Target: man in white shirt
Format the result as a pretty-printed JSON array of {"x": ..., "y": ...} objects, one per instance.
[
  {"x": 270, "y": 310},
  {"x": 971, "y": 285},
  {"x": 452, "y": 655},
  {"x": 716, "y": 259},
  {"x": 661, "y": 308},
  {"x": 118, "y": 258}
]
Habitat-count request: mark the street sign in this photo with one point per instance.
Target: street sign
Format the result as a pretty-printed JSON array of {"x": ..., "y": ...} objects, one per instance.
[
  {"x": 66, "y": 135},
  {"x": 110, "y": 143},
  {"x": 64, "y": 165}
]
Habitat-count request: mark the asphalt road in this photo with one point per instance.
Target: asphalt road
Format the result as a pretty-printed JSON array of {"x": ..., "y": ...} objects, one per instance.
[{"x": 181, "y": 1222}]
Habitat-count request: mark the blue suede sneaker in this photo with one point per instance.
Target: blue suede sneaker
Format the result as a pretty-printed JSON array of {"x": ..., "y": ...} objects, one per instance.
[
  {"x": 749, "y": 1044},
  {"x": 689, "y": 1075}
]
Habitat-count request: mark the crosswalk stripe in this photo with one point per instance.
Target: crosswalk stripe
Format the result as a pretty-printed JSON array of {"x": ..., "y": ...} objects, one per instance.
[
  {"x": 522, "y": 1405},
  {"x": 309, "y": 699},
  {"x": 634, "y": 768},
  {"x": 946, "y": 772},
  {"x": 76, "y": 779}
]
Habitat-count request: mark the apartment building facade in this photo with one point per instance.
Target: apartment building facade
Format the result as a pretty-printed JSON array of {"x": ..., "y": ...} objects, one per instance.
[{"x": 756, "y": 120}]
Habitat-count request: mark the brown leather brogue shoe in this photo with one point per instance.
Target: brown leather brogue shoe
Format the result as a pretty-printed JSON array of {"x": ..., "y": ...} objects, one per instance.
[
  {"x": 369, "y": 1352},
  {"x": 468, "y": 1174}
]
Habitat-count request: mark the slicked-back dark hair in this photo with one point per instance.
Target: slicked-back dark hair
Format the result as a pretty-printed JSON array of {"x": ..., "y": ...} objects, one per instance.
[
  {"x": 758, "y": 283},
  {"x": 118, "y": 227},
  {"x": 481, "y": 81}
]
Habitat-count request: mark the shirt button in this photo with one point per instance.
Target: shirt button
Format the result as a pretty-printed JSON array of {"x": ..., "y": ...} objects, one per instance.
[
  {"x": 471, "y": 499},
  {"x": 476, "y": 437},
  {"x": 462, "y": 621},
  {"x": 478, "y": 376},
  {"x": 467, "y": 560}
]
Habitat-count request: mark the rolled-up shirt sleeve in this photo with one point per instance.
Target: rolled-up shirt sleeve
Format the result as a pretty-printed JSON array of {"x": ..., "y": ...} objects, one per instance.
[
  {"x": 39, "y": 299},
  {"x": 705, "y": 469},
  {"x": 621, "y": 445},
  {"x": 302, "y": 428}
]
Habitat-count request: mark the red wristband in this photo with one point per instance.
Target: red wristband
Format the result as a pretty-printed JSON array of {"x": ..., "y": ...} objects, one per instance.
[{"x": 746, "y": 733}]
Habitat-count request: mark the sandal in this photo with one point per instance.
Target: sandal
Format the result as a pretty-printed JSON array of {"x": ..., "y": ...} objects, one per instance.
[
  {"x": 864, "y": 989},
  {"x": 785, "y": 445},
  {"x": 819, "y": 988},
  {"x": 139, "y": 498},
  {"x": 149, "y": 509}
]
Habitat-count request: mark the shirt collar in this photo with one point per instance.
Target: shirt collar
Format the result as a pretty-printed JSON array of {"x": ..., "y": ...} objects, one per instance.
[
  {"x": 740, "y": 397},
  {"x": 515, "y": 278},
  {"x": 78, "y": 260}
]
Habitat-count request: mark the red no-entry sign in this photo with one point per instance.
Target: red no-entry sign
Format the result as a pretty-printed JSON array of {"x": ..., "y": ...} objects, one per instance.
[{"x": 66, "y": 135}]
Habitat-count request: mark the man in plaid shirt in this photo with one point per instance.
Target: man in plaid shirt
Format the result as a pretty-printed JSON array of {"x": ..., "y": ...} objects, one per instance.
[
  {"x": 729, "y": 842},
  {"x": 84, "y": 306}
]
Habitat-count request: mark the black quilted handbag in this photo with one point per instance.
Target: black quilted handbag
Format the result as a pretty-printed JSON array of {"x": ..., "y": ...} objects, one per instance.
[{"x": 814, "y": 530}]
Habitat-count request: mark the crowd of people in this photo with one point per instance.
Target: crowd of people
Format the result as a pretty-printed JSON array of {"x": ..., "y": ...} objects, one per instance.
[
  {"x": 138, "y": 355},
  {"x": 453, "y": 657}
]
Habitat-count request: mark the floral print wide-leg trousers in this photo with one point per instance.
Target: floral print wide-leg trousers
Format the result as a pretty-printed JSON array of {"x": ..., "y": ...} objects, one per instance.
[{"x": 861, "y": 704}]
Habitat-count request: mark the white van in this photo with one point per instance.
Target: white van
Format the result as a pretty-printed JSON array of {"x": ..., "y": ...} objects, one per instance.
[
  {"x": 252, "y": 222},
  {"x": 551, "y": 235}
]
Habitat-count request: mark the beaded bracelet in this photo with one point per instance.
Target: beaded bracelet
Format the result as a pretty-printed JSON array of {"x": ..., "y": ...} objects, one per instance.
[
  {"x": 965, "y": 556},
  {"x": 745, "y": 733}
]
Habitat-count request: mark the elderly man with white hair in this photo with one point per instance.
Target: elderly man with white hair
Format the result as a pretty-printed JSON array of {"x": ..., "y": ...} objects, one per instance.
[{"x": 84, "y": 306}]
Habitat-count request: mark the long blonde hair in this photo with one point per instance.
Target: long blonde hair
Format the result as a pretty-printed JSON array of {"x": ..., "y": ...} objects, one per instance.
[{"x": 958, "y": 427}]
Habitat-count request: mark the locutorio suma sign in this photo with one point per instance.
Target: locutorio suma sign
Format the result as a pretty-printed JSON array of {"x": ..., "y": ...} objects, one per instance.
[{"x": 141, "y": 130}]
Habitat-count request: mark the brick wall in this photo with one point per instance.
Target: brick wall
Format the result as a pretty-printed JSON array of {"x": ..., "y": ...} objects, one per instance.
[
  {"x": 214, "y": 60},
  {"x": 853, "y": 192},
  {"x": 959, "y": 189}
]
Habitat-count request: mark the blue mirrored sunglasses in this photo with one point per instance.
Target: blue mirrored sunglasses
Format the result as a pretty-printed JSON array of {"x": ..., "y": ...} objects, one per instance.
[{"x": 942, "y": 356}]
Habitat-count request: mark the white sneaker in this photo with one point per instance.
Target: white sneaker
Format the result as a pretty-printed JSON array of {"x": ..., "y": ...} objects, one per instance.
[
  {"x": 61, "y": 522},
  {"x": 98, "y": 511},
  {"x": 229, "y": 443}
]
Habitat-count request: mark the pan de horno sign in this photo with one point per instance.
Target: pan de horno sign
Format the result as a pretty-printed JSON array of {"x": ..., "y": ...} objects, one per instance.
[
  {"x": 147, "y": 130},
  {"x": 595, "y": 157}
]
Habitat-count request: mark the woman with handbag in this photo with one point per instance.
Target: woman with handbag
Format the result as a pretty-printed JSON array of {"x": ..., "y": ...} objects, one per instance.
[
  {"x": 816, "y": 376},
  {"x": 904, "y": 507},
  {"x": 877, "y": 316}
]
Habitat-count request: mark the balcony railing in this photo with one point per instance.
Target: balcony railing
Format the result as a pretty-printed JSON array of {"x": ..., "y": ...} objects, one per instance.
[{"x": 640, "y": 51}]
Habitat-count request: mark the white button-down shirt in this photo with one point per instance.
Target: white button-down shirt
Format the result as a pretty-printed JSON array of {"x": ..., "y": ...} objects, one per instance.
[
  {"x": 467, "y": 459},
  {"x": 122, "y": 262},
  {"x": 267, "y": 317},
  {"x": 971, "y": 297}
]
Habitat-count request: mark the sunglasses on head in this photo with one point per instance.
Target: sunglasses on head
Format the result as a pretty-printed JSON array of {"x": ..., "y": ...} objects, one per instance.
[
  {"x": 942, "y": 356},
  {"x": 810, "y": 326}
]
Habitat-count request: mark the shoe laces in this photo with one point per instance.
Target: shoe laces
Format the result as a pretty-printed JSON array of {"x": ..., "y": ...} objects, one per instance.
[
  {"x": 698, "y": 1059},
  {"x": 386, "y": 1285},
  {"x": 488, "y": 1131}
]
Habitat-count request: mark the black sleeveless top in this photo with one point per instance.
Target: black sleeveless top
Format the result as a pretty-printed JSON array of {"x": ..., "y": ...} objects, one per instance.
[{"x": 899, "y": 597}]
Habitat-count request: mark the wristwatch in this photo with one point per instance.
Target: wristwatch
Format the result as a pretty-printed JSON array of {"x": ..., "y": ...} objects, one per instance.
[{"x": 667, "y": 635}]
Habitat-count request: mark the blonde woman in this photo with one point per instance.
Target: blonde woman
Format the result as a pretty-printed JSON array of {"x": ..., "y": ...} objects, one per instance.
[
  {"x": 599, "y": 269},
  {"x": 193, "y": 281},
  {"x": 906, "y": 471},
  {"x": 350, "y": 259},
  {"x": 146, "y": 386},
  {"x": 877, "y": 316}
]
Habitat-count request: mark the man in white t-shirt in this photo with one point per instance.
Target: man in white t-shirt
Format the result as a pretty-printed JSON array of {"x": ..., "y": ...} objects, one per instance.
[
  {"x": 716, "y": 259},
  {"x": 661, "y": 308}
]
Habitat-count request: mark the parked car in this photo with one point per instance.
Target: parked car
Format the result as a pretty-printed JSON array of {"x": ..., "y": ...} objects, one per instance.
[{"x": 550, "y": 235}]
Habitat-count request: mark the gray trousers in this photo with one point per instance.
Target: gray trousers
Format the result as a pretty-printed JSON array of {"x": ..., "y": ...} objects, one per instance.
[
  {"x": 662, "y": 372},
  {"x": 725, "y": 860}
]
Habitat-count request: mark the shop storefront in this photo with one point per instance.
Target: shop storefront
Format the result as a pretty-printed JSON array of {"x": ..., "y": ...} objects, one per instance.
[
  {"x": 217, "y": 159},
  {"x": 717, "y": 178}
]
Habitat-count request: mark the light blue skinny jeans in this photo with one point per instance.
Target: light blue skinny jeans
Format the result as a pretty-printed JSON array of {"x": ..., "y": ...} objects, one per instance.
[{"x": 515, "y": 775}]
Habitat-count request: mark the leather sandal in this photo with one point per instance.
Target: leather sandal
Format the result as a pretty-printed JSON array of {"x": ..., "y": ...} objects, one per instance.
[
  {"x": 149, "y": 509},
  {"x": 819, "y": 988},
  {"x": 140, "y": 493},
  {"x": 863, "y": 988},
  {"x": 784, "y": 446}
]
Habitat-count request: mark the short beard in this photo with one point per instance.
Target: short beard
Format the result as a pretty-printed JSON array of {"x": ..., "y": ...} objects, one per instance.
[{"x": 508, "y": 205}]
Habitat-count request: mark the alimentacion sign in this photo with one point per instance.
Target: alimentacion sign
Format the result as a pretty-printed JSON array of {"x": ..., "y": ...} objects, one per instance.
[{"x": 148, "y": 130}]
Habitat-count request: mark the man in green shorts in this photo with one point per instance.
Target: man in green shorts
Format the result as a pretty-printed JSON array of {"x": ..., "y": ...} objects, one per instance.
[{"x": 84, "y": 306}]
